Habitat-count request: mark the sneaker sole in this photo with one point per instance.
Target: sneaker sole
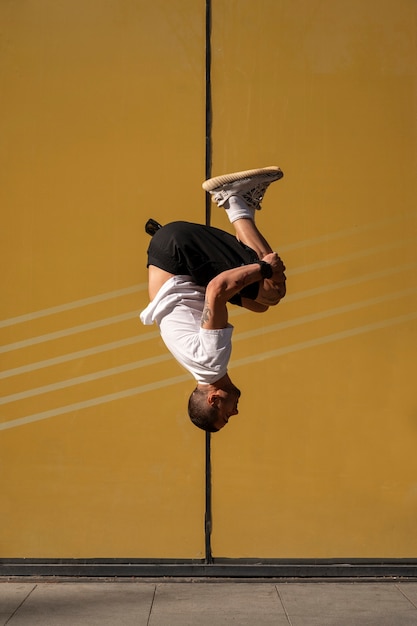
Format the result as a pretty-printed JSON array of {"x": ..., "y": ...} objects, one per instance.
[{"x": 271, "y": 174}]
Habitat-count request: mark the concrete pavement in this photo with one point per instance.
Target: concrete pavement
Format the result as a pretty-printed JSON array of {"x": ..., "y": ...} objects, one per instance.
[{"x": 133, "y": 602}]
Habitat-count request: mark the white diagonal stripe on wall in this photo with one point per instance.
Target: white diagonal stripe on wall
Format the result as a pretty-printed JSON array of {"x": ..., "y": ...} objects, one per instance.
[
  {"x": 319, "y": 341},
  {"x": 395, "y": 245},
  {"x": 79, "y": 380},
  {"x": 77, "y": 406},
  {"x": 305, "y": 319},
  {"x": 132, "y": 315},
  {"x": 66, "y": 332},
  {"x": 75, "y": 304},
  {"x": 296, "y": 347},
  {"x": 350, "y": 282},
  {"x": 71, "y": 356},
  {"x": 347, "y": 232},
  {"x": 312, "y": 317},
  {"x": 143, "y": 286}
]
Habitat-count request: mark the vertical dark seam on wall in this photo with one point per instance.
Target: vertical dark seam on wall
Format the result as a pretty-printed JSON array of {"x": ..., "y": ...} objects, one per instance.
[
  {"x": 208, "y": 107},
  {"x": 208, "y": 515},
  {"x": 208, "y": 512}
]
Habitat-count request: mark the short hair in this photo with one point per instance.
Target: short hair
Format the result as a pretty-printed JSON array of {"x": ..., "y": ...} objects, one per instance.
[{"x": 202, "y": 414}]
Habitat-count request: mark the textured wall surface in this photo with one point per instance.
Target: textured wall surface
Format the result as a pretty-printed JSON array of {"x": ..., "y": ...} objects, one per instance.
[{"x": 103, "y": 126}]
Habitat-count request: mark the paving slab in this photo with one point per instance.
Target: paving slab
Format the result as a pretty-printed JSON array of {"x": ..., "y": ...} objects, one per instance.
[
  {"x": 206, "y": 603},
  {"x": 11, "y": 597},
  {"x": 347, "y": 604},
  {"x": 85, "y": 604},
  {"x": 410, "y": 592},
  {"x": 216, "y": 604}
]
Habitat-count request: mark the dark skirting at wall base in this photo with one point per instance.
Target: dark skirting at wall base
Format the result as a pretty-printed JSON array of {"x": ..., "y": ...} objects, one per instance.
[{"x": 220, "y": 568}]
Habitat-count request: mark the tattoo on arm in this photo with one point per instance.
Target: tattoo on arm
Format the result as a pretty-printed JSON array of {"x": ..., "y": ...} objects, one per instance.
[{"x": 206, "y": 313}]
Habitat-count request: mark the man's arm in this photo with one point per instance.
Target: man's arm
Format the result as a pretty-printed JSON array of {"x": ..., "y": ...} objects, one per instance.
[
  {"x": 223, "y": 287},
  {"x": 252, "y": 305},
  {"x": 227, "y": 284}
]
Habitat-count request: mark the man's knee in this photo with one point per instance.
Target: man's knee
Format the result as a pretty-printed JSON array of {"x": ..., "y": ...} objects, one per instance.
[{"x": 271, "y": 293}]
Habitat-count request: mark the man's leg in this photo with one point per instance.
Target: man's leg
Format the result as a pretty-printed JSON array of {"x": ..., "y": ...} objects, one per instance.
[
  {"x": 271, "y": 290},
  {"x": 248, "y": 233},
  {"x": 156, "y": 278},
  {"x": 241, "y": 194}
]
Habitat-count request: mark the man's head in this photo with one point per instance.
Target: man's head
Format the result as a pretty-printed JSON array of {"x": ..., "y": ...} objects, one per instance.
[{"x": 211, "y": 406}]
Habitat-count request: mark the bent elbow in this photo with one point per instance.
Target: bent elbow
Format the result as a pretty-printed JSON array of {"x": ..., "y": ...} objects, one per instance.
[{"x": 216, "y": 287}]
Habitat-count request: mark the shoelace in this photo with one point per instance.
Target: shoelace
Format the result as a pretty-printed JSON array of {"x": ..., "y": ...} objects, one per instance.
[{"x": 255, "y": 195}]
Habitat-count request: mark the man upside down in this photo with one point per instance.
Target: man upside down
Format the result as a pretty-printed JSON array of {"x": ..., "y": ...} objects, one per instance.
[{"x": 195, "y": 270}]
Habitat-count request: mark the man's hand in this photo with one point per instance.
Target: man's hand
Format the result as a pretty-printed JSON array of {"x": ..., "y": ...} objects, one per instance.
[
  {"x": 272, "y": 290},
  {"x": 277, "y": 265}
]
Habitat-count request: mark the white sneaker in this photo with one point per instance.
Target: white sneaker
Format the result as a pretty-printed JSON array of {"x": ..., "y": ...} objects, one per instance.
[{"x": 250, "y": 185}]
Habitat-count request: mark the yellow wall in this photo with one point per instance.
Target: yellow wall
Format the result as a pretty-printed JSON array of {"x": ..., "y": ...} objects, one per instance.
[
  {"x": 102, "y": 123},
  {"x": 322, "y": 461},
  {"x": 102, "y": 127}
]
